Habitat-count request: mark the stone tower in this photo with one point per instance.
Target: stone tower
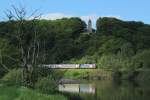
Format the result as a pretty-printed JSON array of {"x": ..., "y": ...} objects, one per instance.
[{"x": 89, "y": 28}]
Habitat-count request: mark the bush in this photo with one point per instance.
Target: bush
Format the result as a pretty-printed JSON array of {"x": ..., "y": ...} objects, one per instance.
[
  {"x": 23, "y": 93},
  {"x": 117, "y": 75},
  {"x": 14, "y": 76},
  {"x": 77, "y": 73},
  {"x": 143, "y": 75},
  {"x": 27, "y": 94},
  {"x": 129, "y": 75},
  {"x": 110, "y": 61},
  {"x": 46, "y": 85},
  {"x": 2, "y": 72},
  {"x": 83, "y": 60},
  {"x": 141, "y": 59}
]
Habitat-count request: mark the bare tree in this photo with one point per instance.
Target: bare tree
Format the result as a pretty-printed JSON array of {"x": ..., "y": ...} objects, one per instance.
[{"x": 29, "y": 48}]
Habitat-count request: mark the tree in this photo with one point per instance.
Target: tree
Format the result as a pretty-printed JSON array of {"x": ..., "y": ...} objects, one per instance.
[{"x": 28, "y": 43}]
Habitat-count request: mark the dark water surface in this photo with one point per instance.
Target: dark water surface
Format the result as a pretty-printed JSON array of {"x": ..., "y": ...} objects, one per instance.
[{"x": 106, "y": 90}]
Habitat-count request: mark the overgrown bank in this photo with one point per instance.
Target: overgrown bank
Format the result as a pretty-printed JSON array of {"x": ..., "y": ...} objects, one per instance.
[
  {"x": 23, "y": 93},
  {"x": 104, "y": 74},
  {"x": 46, "y": 86}
]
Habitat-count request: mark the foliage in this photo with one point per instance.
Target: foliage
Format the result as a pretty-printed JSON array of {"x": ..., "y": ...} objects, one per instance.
[
  {"x": 13, "y": 76},
  {"x": 46, "y": 85},
  {"x": 27, "y": 94},
  {"x": 83, "y": 60},
  {"x": 117, "y": 44},
  {"x": 141, "y": 59},
  {"x": 89, "y": 74},
  {"x": 76, "y": 74},
  {"x": 8, "y": 56},
  {"x": 22, "y": 93}
]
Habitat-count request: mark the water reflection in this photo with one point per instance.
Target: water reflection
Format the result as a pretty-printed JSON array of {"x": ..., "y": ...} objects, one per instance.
[
  {"x": 77, "y": 88},
  {"x": 106, "y": 90}
]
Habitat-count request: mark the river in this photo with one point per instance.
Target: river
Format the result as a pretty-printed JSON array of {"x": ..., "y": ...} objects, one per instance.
[{"x": 106, "y": 90}]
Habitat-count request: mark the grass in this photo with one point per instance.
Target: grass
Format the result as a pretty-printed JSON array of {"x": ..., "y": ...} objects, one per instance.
[
  {"x": 87, "y": 73},
  {"x": 22, "y": 93}
]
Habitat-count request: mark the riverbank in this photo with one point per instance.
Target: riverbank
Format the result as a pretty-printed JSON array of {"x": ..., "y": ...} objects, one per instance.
[
  {"x": 80, "y": 81},
  {"x": 103, "y": 74},
  {"x": 89, "y": 74},
  {"x": 11, "y": 92}
]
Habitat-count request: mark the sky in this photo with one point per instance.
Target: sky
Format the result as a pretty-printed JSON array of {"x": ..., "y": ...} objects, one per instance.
[{"x": 137, "y": 10}]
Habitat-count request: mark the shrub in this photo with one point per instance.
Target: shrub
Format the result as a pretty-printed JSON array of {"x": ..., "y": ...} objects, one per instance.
[
  {"x": 141, "y": 59},
  {"x": 83, "y": 60},
  {"x": 2, "y": 72},
  {"x": 27, "y": 94},
  {"x": 46, "y": 85},
  {"x": 14, "y": 76},
  {"x": 109, "y": 61},
  {"x": 129, "y": 74},
  {"x": 23, "y": 93},
  {"x": 117, "y": 75},
  {"x": 143, "y": 75}
]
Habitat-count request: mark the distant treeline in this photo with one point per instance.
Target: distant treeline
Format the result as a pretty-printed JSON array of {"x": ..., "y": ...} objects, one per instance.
[{"x": 116, "y": 44}]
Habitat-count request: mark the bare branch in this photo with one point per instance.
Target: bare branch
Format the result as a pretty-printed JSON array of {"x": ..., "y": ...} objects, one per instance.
[
  {"x": 20, "y": 13},
  {"x": 34, "y": 13},
  {"x": 9, "y": 14}
]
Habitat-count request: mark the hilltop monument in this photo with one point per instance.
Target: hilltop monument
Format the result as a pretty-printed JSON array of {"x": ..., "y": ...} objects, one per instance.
[{"x": 89, "y": 27}]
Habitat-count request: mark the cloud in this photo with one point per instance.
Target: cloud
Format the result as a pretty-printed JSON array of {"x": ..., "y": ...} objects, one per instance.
[
  {"x": 114, "y": 16},
  {"x": 54, "y": 16},
  {"x": 93, "y": 17}
]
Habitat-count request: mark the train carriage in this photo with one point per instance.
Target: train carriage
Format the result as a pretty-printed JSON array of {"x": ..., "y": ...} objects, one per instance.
[{"x": 70, "y": 66}]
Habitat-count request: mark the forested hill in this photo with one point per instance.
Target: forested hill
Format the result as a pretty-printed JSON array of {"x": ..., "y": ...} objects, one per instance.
[{"x": 116, "y": 43}]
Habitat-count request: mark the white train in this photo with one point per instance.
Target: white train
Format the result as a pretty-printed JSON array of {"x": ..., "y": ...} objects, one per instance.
[{"x": 70, "y": 66}]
